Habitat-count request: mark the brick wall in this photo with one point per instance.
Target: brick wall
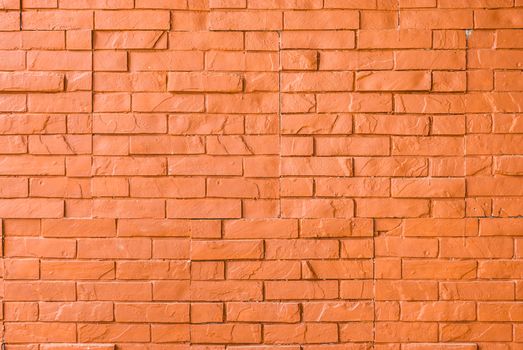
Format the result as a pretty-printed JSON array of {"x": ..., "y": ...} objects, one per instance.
[{"x": 261, "y": 174}]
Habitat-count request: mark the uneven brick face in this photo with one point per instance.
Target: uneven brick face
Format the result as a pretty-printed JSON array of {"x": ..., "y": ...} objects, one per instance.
[{"x": 261, "y": 174}]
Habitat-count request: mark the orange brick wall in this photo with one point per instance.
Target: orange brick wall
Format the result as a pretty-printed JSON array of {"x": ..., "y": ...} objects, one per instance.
[{"x": 261, "y": 174}]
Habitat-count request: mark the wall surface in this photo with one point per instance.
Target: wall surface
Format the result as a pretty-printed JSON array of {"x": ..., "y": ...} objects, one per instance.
[{"x": 261, "y": 174}]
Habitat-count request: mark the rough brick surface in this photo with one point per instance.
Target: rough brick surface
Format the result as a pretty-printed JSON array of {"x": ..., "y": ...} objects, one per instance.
[{"x": 261, "y": 174}]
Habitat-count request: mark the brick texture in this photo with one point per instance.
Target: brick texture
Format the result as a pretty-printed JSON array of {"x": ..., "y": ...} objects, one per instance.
[{"x": 261, "y": 174}]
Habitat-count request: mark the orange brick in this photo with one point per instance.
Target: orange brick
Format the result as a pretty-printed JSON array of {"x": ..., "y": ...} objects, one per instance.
[
  {"x": 245, "y": 20},
  {"x": 400, "y": 39},
  {"x": 143, "y": 19},
  {"x": 307, "y": 20},
  {"x": 397, "y": 81},
  {"x": 263, "y": 312}
]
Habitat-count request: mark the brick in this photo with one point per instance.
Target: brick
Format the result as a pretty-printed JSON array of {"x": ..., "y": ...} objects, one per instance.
[
  {"x": 352, "y": 187},
  {"x": 164, "y": 333},
  {"x": 151, "y": 312},
  {"x": 428, "y": 188},
  {"x": 39, "y": 291},
  {"x": 235, "y": 229},
  {"x": 215, "y": 82},
  {"x": 476, "y": 332},
  {"x": 354, "y": 146},
  {"x": 300, "y": 333},
  {"x": 57, "y": 20},
  {"x": 318, "y": 40},
  {"x": 472, "y": 247},
  {"x": 40, "y": 332},
  {"x": 155, "y": 269},
  {"x": 440, "y": 227},
  {"x": 12, "y": 187},
  {"x": 226, "y": 250},
  {"x": 78, "y": 228},
  {"x": 130, "y": 40},
  {"x": 226, "y": 333},
  {"x": 245, "y": 188},
  {"x": 360, "y": 59},
  {"x": 171, "y": 187},
  {"x": 438, "y": 19},
  {"x": 354, "y": 102},
  {"x": 502, "y": 186},
  {"x": 13, "y": 103},
  {"x": 502, "y": 18},
  {"x": 296, "y": 146},
  {"x": 418, "y": 269},
  {"x": 32, "y": 124},
  {"x": 315, "y": 208},
  {"x": 77, "y": 270},
  {"x": 335, "y": 227},
  {"x": 205, "y": 165},
  {"x": 394, "y": 39},
  {"x": 58, "y": 60},
  {"x": 500, "y": 227},
  {"x": 12, "y": 60},
  {"x": 31, "y": 208},
  {"x": 317, "y": 81},
  {"x": 301, "y": 290},
  {"x": 390, "y": 166},
  {"x": 485, "y": 58},
  {"x": 337, "y": 19},
  {"x": 110, "y": 291},
  {"x": 245, "y": 20},
  {"x": 448, "y": 39},
  {"x": 68, "y": 102},
  {"x": 75, "y": 311},
  {"x": 143, "y": 19},
  {"x": 205, "y": 124},
  {"x": 406, "y": 290},
  {"x": 423, "y": 59},
  {"x": 121, "y": 82},
  {"x": 119, "y": 248},
  {"x": 112, "y": 332},
  {"x": 166, "y": 102},
  {"x": 128, "y": 166},
  {"x": 10, "y": 5},
  {"x": 166, "y": 145},
  {"x": 314, "y": 269},
  {"x": 482, "y": 290},
  {"x": 299, "y": 60},
  {"x": 59, "y": 144},
  {"x": 21, "y": 311},
  {"x": 21, "y": 269},
  {"x": 166, "y": 227},
  {"x": 391, "y": 207},
  {"x": 301, "y": 249},
  {"x": 172, "y": 61},
  {"x": 244, "y": 61},
  {"x": 226, "y": 291},
  {"x": 48, "y": 82},
  {"x": 245, "y": 103},
  {"x": 316, "y": 124},
  {"x": 406, "y": 332},
  {"x": 82, "y": 4},
  {"x": 493, "y": 144},
  {"x": 263, "y": 312},
  {"x": 427, "y": 146},
  {"x": 397, "y": 81},
  {"x": 406, "y": 247},
  {"x": 207, "y": 208}
]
